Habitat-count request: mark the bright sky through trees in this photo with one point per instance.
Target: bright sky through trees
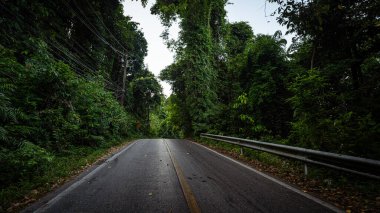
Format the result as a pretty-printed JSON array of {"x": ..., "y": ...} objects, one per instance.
[{"x": 256, "y": 13}]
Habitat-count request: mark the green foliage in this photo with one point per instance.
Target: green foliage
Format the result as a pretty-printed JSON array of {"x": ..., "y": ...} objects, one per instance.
[
  {"x": 58, "y": 169},
  {"x": 172, "y": 124},
  {"x": 23, "y": 163},
  {"x": 238, "y": 37},
  {"x": 260, "y": 110},
  {"x": 99, "y": 115},
  {"x": 193, "y": 75},
  {"x": 60, "y": 80},
  {"x": 147, "y": 95},
  {"x": 321, "y": 120},
  {"x": 46, "y": 108},
  {"x": 309, "y": 96},
  {"x": 335, "y": 103},
  {"x": 240, "y": 109},
  {"x": 321, "y": 93},
  {"x": 8, "y": 113}
]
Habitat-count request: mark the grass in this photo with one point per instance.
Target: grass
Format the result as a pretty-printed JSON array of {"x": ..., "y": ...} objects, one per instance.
[
  {"x": 64, "y": 165},
  {"x": 263, "y": 157}
]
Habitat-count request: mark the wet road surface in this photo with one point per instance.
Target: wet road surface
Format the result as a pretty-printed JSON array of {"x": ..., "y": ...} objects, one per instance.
[{"x": 168, "y": 175}]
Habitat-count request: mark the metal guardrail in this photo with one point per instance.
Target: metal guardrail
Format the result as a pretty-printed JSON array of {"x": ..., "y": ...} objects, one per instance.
[{"x": 361, "y": 166}]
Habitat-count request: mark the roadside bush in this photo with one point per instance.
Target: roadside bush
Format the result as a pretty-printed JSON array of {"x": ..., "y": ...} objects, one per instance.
[
  {"x": 46, "y": 109},
  {"x": 24, "y": 162},
  {"x": 101, "y": 117}
]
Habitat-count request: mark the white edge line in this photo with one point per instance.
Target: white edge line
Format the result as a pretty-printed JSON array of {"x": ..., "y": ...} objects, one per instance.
[
  {"x": 82, "y": 180},
  {"x": 321, "y": 202}
]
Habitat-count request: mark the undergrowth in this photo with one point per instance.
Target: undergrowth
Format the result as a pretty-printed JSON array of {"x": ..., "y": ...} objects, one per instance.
[{"x": 63, "y": 166}]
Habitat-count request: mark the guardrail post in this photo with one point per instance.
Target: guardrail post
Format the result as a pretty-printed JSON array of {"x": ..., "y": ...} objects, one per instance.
[
  {"x": 305, "y": 169},
  {"x": 241, "y": 151}
]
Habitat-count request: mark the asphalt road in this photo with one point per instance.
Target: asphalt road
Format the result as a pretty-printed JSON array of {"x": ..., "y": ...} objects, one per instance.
[{"x": 162, "y": 175}]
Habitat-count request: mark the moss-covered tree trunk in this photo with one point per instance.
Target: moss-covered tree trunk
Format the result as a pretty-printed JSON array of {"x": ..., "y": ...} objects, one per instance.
[{"x": 199, "y": 74}]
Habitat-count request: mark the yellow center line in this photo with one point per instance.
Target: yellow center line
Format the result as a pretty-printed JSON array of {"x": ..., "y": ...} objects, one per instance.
[{"x": 189, "y": 196}]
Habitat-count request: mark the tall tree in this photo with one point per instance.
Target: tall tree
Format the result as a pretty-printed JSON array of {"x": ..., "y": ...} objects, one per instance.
[
  {"x": 201, "y": 26},
  {"x": 237, "y": 41},
  {"x": 340, "y": 41}
]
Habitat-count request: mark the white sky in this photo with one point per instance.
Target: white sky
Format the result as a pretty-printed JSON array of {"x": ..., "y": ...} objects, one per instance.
[{"x": 255, "y": 12}]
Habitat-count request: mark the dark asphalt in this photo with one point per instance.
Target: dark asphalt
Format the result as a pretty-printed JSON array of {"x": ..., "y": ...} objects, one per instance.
[{"x": 142, "y": 179}]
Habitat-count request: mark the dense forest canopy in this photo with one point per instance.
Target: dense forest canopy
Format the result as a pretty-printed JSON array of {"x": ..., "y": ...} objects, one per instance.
[
  {"x": 322, "y": 92},
  {"x": 72, "y": 74}
]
